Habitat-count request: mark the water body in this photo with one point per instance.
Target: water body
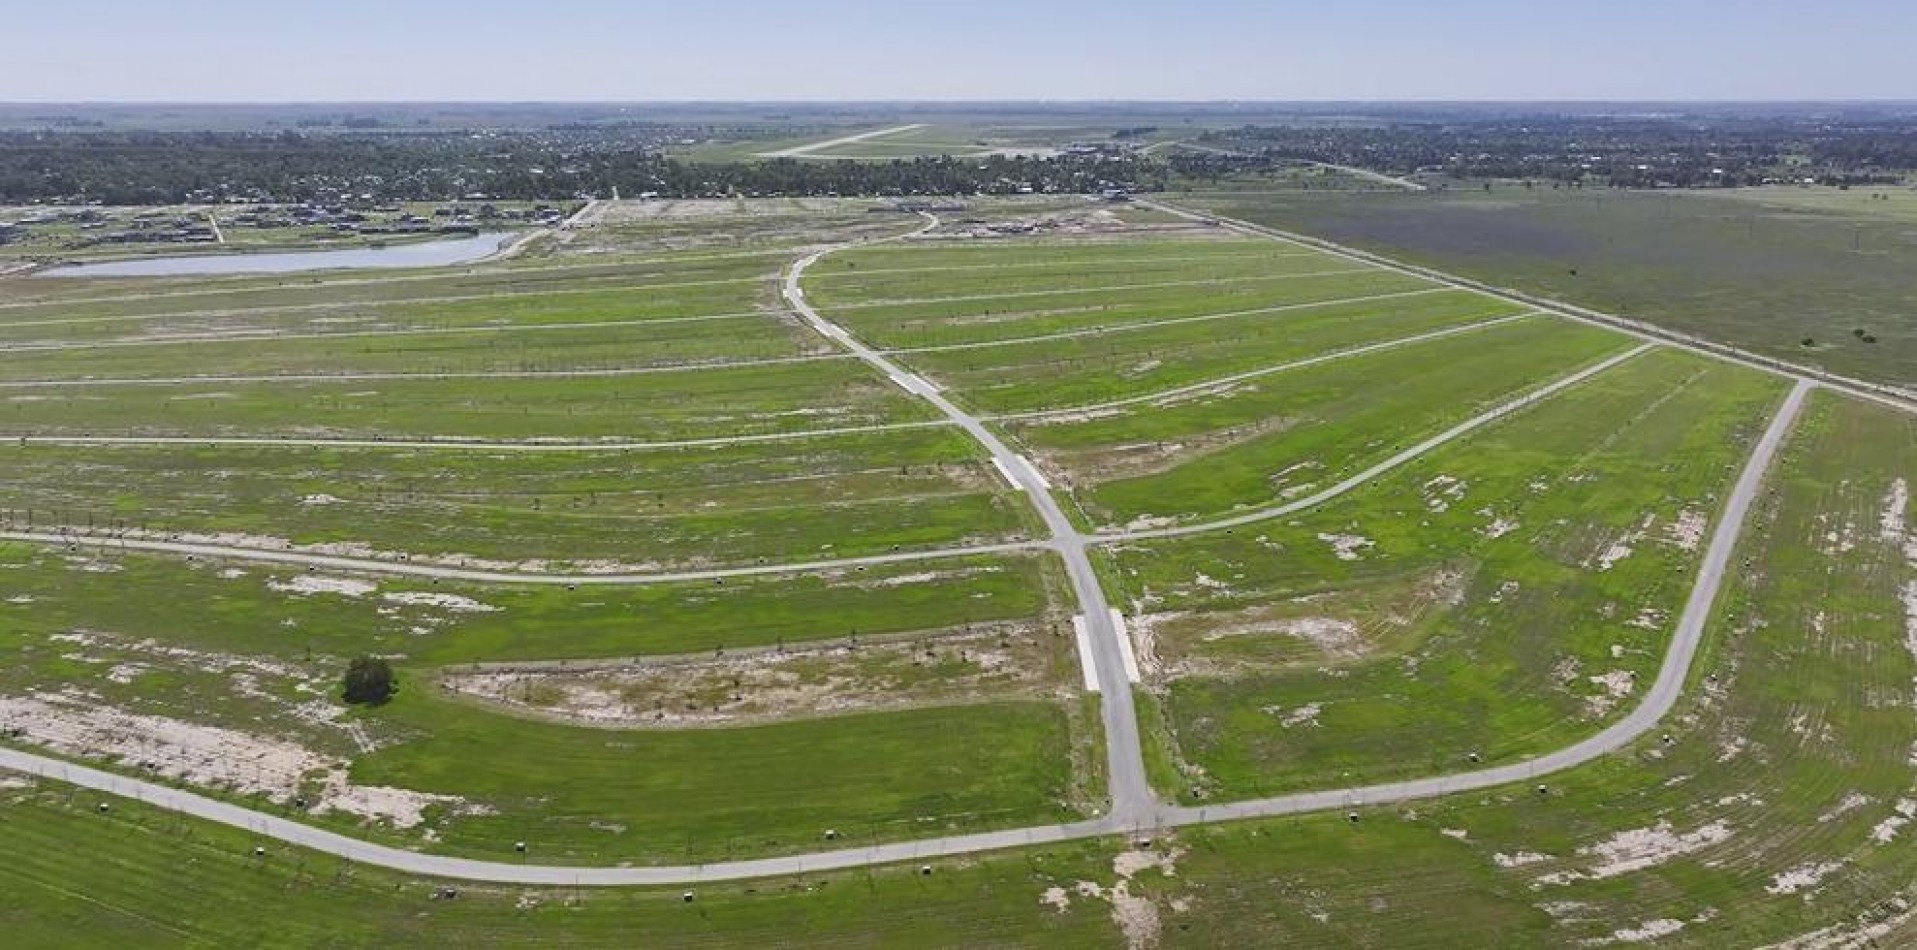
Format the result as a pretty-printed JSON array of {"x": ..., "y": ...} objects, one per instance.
[{"x": 425, "y": 254}]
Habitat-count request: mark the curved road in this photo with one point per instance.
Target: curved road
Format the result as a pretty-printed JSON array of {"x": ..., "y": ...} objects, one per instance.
[
  {"x": 1131, "y": 794},
  {"x": 483, "y": 445},
  {"x": 1134, "y": 806},
  {"x": 1658, "y": 702}
]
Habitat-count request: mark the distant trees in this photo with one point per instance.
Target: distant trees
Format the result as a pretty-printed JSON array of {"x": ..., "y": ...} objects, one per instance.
[
  {"x": 1684, "y": 151},
  {"x": 368, "y": 681},
  {"x": 135, "y": 167}
]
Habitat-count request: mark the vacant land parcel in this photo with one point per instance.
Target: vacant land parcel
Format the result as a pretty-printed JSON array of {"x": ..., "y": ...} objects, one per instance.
[
  {"x": 724, "y": 531},
  {"x": 1820, "y": 277}
]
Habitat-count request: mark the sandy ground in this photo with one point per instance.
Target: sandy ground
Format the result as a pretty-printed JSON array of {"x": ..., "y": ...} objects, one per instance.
[
  {"x": 73, "y": 722},
  {"x": 350, "y": 549},
  {"x": 994, "y": 661},
  {"x": 1802, "y": 878},
  {"x": 1640, "y": 848},
  {"x": 1138, "y": 915}
]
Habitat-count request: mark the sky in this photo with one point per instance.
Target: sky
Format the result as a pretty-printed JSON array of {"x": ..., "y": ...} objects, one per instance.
[{"x": 643, "y": 50}]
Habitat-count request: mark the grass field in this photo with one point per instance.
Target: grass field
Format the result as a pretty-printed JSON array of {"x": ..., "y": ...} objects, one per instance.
[
  {"x": 1504, "y": 594},
  {"x": 1676, "y": 839},
  {"x": 586, "y": 795},
  {"x": 1500, "y": 596},
  {"x": 1762, "y": 269},
  {"x": 574, "y": 280},
  {"x": 795, "y": 500},
  {"x": 1266, "y": 440},
  {"x": 699, "y": 403},
  {"x": 270, "y": 612},
  {"x": 1778, "y": 810},
  {"x": 247, "y": 658},
  {"x": 84, "y": 879},
  {"x": 1087, "y": 370}
]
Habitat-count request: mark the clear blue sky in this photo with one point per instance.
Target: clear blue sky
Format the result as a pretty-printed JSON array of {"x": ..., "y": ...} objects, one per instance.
[{"x": 277, "y": 50}]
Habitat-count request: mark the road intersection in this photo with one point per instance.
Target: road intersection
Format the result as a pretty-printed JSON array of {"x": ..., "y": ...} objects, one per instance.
[{"x": 1135, "y": 807}]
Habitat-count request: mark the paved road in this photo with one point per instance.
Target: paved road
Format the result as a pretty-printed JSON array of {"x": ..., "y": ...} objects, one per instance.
[
  {"x": 1370, "y": 175},
  {"x": 612, "y": 446},
  {"x": 1657, "y": 703},
  {"x": 1131, "y": 794},
  {"x": 1311, "y": 501},
  {"x": 587, "y": 215},
  {"x": 270, "y": 335},
  {"x": 1065, "y": 537},
  {"x": 800, "y": 151}
]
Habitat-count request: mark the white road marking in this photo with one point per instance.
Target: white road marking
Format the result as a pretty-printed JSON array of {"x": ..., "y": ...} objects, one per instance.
[
  {"x": 1125, "y": 647},
  {"x": 1085, "y": 664}
]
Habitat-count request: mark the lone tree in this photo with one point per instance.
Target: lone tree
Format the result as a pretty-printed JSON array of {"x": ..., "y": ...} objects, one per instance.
[{"x": 369, "y": 680}]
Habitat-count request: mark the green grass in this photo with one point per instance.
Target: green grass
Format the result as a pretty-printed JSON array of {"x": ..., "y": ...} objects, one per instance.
[
  {"x": 930, "y": 270},
  {"x": 644, "y": 406},
  {"x": 1080, "y": 371},
  {"x": 1393, "y": 879},
  {"x": 212, "y": 647},
  {"x": 1260, "y": 442},
  {"x": 795, "y": 500},
  {"x": 505, "y": 283},
  {"x": 190, "y": 605},
  {"x": 1758, "y": 270},
  {"x": 569, "y": 348},
  {"x": 1805, "y": 661},
  {"x": 1495, "y": 652},
  {"x": 140, "y": 877},
  {"x": 597, "y": 796}
]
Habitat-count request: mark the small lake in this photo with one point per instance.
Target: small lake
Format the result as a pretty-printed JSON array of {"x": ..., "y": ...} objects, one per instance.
[{"x": 426, "y": 254}]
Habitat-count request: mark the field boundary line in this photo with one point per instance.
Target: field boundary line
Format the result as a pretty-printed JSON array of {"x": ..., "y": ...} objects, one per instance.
[
  {"x": 399, "y": 277},
  {"x": 948, "y": 268},
  {"x": 1222, "y": 381},
  {"x": 404, "y": 301},
  {"x": 1658, "y": 702},
  {"x": 1494, "y": 414},
  {"x": 468, "y": 445},
  {"x": 77, "y": 538},
  {"x": 1862, "y": 389},
  {"x": 1132, "y": 797},
  {"x": 1009, "y": 295},
  {"x": 1104, "y": 329},
  {"x": 268, "y": 336},
  {"x": 402, "y": 377}
]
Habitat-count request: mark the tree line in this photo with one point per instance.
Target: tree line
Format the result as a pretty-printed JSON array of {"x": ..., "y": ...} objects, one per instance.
[{"x": 164, "y": 168}]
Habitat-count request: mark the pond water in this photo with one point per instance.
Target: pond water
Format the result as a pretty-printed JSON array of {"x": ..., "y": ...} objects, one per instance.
[{"x": 426, "y": 254}]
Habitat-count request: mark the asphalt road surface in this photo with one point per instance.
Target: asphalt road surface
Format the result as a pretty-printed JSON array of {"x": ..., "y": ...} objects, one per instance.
[{"x": 1134, "y": 807}]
